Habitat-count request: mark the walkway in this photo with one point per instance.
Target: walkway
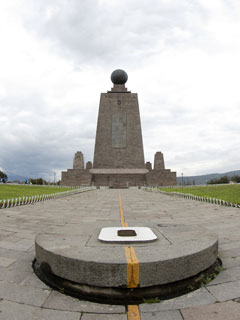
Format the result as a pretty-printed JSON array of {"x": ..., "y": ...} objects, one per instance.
[{"x": 24, "y": 297}]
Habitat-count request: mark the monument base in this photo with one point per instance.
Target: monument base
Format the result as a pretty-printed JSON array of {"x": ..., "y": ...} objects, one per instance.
[
  {"x": 163, "y": 177},
  {"x": 118, "y": 177},
  {"x": 78, "y": 263},
  {"x": 124, "y": 296}
]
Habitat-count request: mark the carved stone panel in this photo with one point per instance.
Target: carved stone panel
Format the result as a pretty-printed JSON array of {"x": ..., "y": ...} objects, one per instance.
[{"x": 119, "y": 130}]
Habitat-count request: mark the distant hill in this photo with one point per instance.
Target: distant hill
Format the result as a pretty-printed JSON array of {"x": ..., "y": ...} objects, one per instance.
[
  {"x": 205, "y": 178},
  {"x": 15, "y": 177}
]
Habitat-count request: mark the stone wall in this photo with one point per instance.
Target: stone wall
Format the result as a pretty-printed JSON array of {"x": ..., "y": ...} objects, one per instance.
[
  {"x": 76, "y": 177},
  {"x": 119, "y": 180},
  {"x": 161, "y": 178}
]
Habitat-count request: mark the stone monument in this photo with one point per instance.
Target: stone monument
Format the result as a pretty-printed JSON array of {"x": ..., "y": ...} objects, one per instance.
[
  {"x": 78, "y": 162},
  {"x": 118, "y": 155},
  {"x": 128, "y": 264}
]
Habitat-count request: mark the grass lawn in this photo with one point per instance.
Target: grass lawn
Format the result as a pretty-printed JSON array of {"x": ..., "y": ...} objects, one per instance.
[
  {"x": 15, "y": 191},
  {"x": 228, "y": 192}
]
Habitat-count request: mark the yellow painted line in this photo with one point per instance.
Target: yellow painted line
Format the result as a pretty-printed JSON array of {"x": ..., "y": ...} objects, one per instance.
[
  {"x": 135, "y": 269},
  {"x": 132, "y": 268},
  {"x": 133, "y": 313},
  {"x": 124, "y": 224},
  {"x": 132, "y": 261}
]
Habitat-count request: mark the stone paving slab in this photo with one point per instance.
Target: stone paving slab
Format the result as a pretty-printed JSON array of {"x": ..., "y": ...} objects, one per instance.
[
  {"x": 17, "y": 255},
  {"x": 229, "y": 263},
  {"x": 94, "y": 316},
  {"x": 192, "y": 299},
  {"x": 6, "y": 262},
  {"x": 164, "y": 315},
  {"x": 23, "y": 296},
  {"x": 12, "y": 310},
  {"x": 234, "y": 272},
  {"x": 33, "y": 281},
  {"x": 48, "y": 314},
  {"x": 230, "y": 253},
  {"x": 60, "y": 301},
  {"x": 219, "y": 311},
  {"x": 16, "y": 311},
  {"x": 225, "y": 291},
  {"x": 222, "y": 277},
  {"x": 16, "y": 245},
  {"x": 228, "y": 246},
  {"x": 14, "y": 276}
]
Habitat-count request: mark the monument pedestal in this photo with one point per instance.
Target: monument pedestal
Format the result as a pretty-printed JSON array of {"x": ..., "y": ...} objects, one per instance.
[
  {"x": 119, "y": 178},
  {"x": 176, "y": 259}
]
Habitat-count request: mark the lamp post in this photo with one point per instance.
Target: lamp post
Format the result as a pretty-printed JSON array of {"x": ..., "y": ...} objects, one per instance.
[{"x": 182, "y": 179}]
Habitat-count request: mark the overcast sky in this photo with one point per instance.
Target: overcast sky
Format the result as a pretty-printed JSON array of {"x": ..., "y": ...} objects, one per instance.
[{"x": 182, "y": 58}]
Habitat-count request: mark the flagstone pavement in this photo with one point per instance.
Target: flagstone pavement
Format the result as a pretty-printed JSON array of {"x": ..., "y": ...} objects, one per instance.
[{"x": 23, "y": 296}]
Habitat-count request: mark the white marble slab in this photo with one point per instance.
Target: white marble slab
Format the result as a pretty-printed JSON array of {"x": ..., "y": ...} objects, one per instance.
[{"x": 110, "y": 234}]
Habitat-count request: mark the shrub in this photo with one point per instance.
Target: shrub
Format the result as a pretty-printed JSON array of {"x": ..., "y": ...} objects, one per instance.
[
  {"x": 224, "y": 179},
  {"x": 235, "y": 179},
  {"x": 38, "y": 181}
]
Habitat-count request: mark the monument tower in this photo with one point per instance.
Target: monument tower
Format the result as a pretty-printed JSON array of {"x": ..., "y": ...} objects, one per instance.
[
  {"x": 118, "y": 155},
  {"x": 119, "y": 135}
]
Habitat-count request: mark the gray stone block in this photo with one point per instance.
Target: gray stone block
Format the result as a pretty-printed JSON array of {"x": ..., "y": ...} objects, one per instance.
[
  {"x": 15, "y": 276},
  {"x": 93, "y": 316},
  {"x": 164, "y": 315},
  {"x": 16, "y": 311},
  {"x": 60, "y": 301},
  {"x": 23, "y": 294},
  {"x": 219, "y": 311},
  {"x": 192, "y": 299},
  {"x": 225, "y": 291},
  {"x": 48, "y": 314},
  {"x": 223, "y": 276},
  {"x": 6, "y": 262},
  {"x": 234, "y": 272}
]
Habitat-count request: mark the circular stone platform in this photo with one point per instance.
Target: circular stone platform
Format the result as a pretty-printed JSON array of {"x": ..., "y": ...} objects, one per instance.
[{"x": 97, "y": 270}]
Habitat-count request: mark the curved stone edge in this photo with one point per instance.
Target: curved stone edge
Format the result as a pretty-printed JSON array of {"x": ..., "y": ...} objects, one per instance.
[
  {"x": 124, "y": 296},
  {"x": 114, "y": 274},
  {"x": 177, "y": 268},
  {"x": 84, "y": 271}
]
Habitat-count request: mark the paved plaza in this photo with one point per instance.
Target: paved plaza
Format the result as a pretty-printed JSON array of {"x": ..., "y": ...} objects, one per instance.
[{"x": 23, "y": 296}]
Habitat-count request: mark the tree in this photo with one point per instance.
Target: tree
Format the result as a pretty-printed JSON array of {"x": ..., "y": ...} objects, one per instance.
[
  {"x": 222, "y": 180},
  {"x": 3, "y": 175},
  {"x": 38, "y": 181},
  {"x": 235, "y": 179}
]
